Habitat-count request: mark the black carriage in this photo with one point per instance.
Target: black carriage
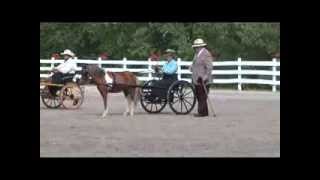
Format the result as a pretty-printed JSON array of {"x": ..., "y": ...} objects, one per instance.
[
  {"x": 180, "y": 95},
  {"x": 69, "y": 94}
]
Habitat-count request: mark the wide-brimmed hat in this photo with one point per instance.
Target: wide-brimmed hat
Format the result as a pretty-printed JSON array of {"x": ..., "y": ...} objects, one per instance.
[
  {"x": 68, "y": 52},
  {"x": 170, "y": 51},
  {"x": 198, "y": 43}
]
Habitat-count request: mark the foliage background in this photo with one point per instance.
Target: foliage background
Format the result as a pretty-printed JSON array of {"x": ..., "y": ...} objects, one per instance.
[{"x": 138, "y": 40}]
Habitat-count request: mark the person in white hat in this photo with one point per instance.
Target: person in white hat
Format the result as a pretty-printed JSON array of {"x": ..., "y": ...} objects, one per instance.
[
  {"x": 201, "y": 74},
  {"x": 69, "y": 65},
  {"x": 67, "y": 68}
]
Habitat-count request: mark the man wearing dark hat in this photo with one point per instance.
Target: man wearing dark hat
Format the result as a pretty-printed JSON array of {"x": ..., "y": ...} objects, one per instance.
[{"x": 201, "y": 75}]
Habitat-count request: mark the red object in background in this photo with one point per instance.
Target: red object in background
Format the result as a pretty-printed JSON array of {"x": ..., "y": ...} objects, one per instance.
[
  {"x": 55, "y": 56},
  {"x": 277, "y": 55},
  {"x": 104, "y": 56},
  {"x": 155, "y": 56}
]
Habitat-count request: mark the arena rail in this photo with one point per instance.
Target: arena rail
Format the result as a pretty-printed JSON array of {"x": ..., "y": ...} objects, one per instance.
[{"x": 241, "y": 70}]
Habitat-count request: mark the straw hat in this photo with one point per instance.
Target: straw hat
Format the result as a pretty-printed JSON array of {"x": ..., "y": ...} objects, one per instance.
[
  {"x": 68, "y": 52},
  {"x": 170, "y": 51},
  {"x": 198, "y": 43}
]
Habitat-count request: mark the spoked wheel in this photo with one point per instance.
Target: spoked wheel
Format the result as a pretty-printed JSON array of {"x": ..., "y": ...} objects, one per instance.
[
  {"x": 181, "y": 97},
  {"x": 50, "y": 100},
  {"x": 149, "y": 102},
  {"x": 71, "y": 96}
]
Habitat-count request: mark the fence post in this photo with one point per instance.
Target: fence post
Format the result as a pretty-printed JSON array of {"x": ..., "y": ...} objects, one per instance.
[
  {"x": 179, "y": 68},
  {"x": 124, "y": 64},
  {"x": 99, "y": 62},
  {"x": 150, "y": 69},
  {"x": 239, "y": 74},
  {"x": 274, "y": 77},
  {"x": 52, "y": 63}
]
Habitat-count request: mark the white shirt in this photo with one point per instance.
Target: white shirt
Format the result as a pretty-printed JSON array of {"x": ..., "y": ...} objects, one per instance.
[{"x": 70, "y": 66}]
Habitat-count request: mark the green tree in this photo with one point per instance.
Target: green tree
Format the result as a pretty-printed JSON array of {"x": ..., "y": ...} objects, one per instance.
[{"x": 137, "y": 40}]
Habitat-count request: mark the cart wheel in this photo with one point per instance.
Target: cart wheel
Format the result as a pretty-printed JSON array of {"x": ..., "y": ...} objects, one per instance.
[
  {"x": 71, "y": 96},
  {"x": 49, "y": 100},
  {"x": 149, "y": 102},
  {"x": 181, "y": 97}
]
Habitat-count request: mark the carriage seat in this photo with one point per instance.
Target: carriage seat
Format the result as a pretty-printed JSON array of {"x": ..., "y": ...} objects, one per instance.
[{"x": 162, "y": 86}]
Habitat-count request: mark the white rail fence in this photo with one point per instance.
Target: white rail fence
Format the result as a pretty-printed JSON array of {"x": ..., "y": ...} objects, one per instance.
[{"x": 240, "y": 69}]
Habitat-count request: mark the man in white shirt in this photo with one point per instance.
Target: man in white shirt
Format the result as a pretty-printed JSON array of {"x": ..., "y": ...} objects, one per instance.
[{"x": 67, "y": 68}]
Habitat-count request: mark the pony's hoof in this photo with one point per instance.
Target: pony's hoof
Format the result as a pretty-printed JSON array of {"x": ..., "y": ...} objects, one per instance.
[
  {"x": 103, "y": 116},
  {"x": 125, "y": 114}
]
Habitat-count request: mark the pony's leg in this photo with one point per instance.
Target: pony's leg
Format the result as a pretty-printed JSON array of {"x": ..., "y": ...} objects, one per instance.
[
  {"x": 133, "y": 100},
  {"x": 136, "y": 96},
  {"x": 128, "y": 102},
  {"x": 131, "y": 107},
  {"x": 128, "y": 106},
  {"x": 105, "y": 112},
  {"x": 106, "y": 107},
  {"x": 104, "y": 94}
]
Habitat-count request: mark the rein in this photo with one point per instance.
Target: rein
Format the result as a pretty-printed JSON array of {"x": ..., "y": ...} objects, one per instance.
[
  {"x": 117, "y": 84},
  {"x": 135, "y": 86}
]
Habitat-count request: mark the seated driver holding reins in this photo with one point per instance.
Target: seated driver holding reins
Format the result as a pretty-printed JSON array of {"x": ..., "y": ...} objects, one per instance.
[
  {"x": 67, "y": 68},
  {"x": 169, "y": 71}
]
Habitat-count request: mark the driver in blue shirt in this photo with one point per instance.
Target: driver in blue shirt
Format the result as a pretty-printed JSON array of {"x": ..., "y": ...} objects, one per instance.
[
  {"x": 170, "y": 67},
  {"x": 169, "y": 72}
]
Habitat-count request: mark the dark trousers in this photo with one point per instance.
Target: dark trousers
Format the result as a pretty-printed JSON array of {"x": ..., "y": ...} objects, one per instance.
[
  {"x": 57, "y": 78},
  {"x": 202, "y": 99}
]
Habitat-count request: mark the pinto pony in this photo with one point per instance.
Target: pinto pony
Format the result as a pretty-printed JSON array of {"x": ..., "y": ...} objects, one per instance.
[{"x": 112, "y": 82}]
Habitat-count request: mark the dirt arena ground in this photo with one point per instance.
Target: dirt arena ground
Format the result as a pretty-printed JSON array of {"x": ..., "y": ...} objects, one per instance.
[{"x": 247, "y": 125}]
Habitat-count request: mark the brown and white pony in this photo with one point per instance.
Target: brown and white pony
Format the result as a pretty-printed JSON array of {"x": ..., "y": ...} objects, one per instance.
[{"x": 112, "y": 82}]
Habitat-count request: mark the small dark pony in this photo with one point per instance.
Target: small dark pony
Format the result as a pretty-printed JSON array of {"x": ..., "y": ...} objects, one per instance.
[{"x": 112, "y": 82}]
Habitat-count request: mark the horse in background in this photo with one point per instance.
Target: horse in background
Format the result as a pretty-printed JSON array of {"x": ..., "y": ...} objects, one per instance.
[{"x": 112, "y": 82}]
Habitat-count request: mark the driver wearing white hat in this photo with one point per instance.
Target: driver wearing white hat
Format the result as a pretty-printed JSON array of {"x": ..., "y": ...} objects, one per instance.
[
  {"x": 69, "y": 65},
  {"x": 66, "y": 68}
]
